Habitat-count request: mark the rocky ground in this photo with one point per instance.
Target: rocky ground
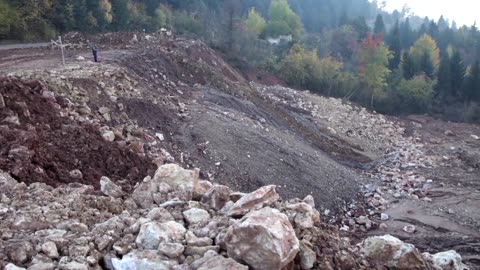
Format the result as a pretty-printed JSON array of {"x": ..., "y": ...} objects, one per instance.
[{"x": 88, "y": 138}]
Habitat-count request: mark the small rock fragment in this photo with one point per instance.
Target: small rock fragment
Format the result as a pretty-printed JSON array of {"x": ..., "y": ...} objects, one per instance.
[
  {"x": 109, "y": 188},
  {"x": 409, "y": 229},
  {"x": 50, "y": 249}
]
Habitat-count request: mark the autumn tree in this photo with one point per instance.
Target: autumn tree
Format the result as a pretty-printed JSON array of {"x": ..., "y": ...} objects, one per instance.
[
  {"x": 297, "y": 68},
  {"x": 373, "y": 58},
  {"x": 416, "y": 93},
  {"x": 425, "y": 54},
  {"x": 254, "y": 22},
  {"x": 282, "y": 20}
]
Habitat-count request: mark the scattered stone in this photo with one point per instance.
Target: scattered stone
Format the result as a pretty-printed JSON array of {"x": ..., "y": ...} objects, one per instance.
[
  {"x": 76, "y": 174},
  {"x": 176, "y": 176},
  {"x": 384, "y": 217},
  {"x": 475, "y": 137},
  {"x": 50, "y": 249},
  {"x": 449, "y": 133},
  {"x": 393, "y": 253},
  {"x": 263, "y": 239},
  {"x": 145, "y": 260},
  {"x": 108, "y": 136},
  {"x": 218, "y": 262},
  {"x": 2, "y": 102},
  {"x": 448, "y": 260},
  {"x": 72, "y": 266},
  {"x": 196, "y": 216},
  {"x": 308, "y": 257},
  {"x": 109, "y": 188},
  {"x": 12, "y": 266},
  {"x": 153, "y": 233},
  {"x": 254, "y": 201},
  {"x": 171, "y": 250},
  {"x": 80, "y": 58},
  {"x": 409, "y": 229},
  {"x": 217, "y": 196},
  {"x": 309, "y": 200}
]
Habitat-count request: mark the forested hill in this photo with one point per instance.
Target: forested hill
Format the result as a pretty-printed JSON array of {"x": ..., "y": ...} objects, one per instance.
[{"x": 391, "y": 62}]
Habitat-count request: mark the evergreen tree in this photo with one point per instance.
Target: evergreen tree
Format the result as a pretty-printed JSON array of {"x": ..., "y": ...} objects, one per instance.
[
  {"x": 444, "y": 81},
  {"x": 457, "y": 70},
  {"x": 406, "y": 34},
  {"x": 472, "y": 91},
  {"x": 409, "y": 66},
  {"x": 80, "y": 14},
  {"x": 120, "y": 15},
  {"x": 360, "y": 26},
  {"x": 343, "y": 18},
  {"x": 426, "y": 65},
  {"x": 442, "y": 24},
  {"x": 395, "y": 45},
  {"x": 379, "y": 28},
  {"x": 424, "y": 27}
]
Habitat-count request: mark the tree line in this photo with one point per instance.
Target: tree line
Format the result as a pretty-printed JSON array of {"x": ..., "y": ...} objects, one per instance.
[{"x": 390, "y": 62}]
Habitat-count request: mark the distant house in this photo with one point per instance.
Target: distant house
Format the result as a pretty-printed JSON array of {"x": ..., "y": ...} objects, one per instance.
[{"x": 279, "y": 39}]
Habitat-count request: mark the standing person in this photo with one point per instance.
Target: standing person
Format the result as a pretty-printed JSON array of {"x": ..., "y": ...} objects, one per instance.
[{"x": 94, "y": 51}]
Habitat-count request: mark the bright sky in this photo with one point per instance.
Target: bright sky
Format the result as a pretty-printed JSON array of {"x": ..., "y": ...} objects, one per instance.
[{"x": 461, "y": 11}]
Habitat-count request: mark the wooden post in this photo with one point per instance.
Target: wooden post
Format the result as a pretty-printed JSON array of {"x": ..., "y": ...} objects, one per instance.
[{"x": 61, "y": 48}]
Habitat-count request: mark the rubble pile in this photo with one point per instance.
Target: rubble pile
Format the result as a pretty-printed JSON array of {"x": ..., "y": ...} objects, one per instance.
[
  {"x": 121, "y": 40},
  {"x": 174, "y": 220},
  {"x": 400, "y": 155}
]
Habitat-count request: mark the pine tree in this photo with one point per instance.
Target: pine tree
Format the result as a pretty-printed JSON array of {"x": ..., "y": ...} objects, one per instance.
[
  {"x": 361, "y": 27},
  {"x": 472, "y": 91},
  {"x": 457, "y": 70},
  {"x": 120, "y": 15},
  {"x": 379, "y": 28},
  {"x": 395, "y": 45},
  {"x": 426, "y": 65},
  {"x": 80, "y": 14},
  {"x": 444, "y": 81},
  {"x": 406, "y": 34},
  {"x": 409, "y": 66}
]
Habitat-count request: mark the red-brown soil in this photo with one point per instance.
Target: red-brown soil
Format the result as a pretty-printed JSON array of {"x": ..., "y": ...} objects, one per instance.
[{"x": 45, "y": 146}]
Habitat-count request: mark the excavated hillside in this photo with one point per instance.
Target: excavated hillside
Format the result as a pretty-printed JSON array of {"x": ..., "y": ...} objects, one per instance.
[{"x": 155, "y": 101}]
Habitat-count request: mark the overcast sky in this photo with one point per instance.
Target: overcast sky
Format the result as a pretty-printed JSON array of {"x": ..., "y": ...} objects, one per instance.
[{"x": 461, "y": 11}]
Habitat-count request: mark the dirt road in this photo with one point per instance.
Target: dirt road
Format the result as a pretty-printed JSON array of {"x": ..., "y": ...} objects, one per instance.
[{"x": 24, "y": 46}]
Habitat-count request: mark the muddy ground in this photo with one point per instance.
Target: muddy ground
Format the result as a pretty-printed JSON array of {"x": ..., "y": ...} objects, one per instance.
[{"x": 452, "y": 219}]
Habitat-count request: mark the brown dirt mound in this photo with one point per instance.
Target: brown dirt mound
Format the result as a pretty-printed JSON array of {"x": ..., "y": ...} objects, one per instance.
[{"x": 39, "y": 144}]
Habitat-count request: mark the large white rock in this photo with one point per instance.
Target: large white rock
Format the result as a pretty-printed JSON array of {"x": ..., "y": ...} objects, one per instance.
[
  {"x": 254, "y": 201},
  {"x": 263, "y": 239},
  {"x": 176, "y": 176},
  {"x": 142, "y": 260},
  {"x": 391, "y": 252},
  {"x": 448, "y": 260},
  {"x": 153, "y": 233}
]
